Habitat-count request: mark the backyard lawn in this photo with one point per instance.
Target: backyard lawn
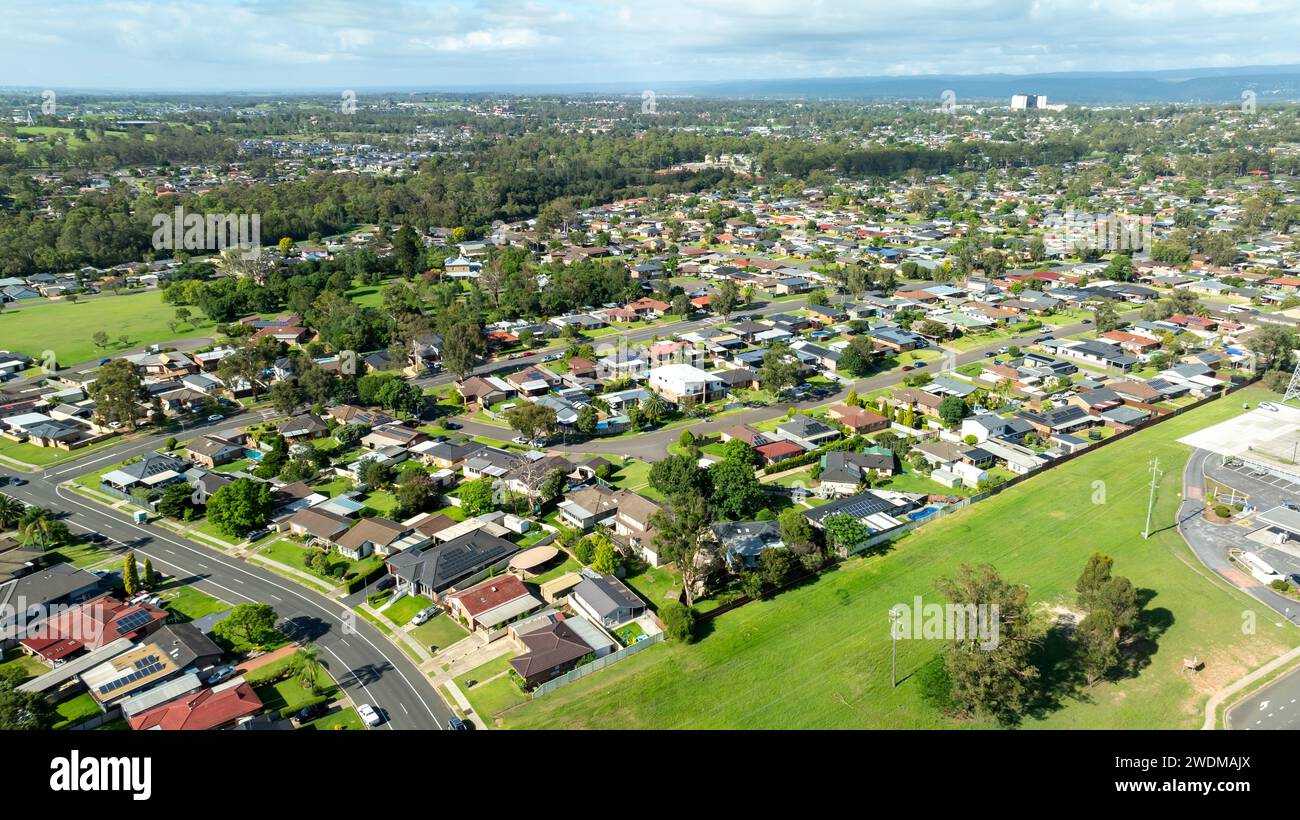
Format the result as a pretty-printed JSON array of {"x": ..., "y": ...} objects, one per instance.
[
  {"x": 335, "y": 721},
  {"x": 818, "y": 656},
  {"x": 75, "y": 710},
  {"x": 24, "y": 666}
]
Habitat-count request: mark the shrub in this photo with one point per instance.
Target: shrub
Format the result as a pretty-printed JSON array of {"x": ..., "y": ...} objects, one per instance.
[
  {"x": 679, "y": 621},
  {"x": 1280, "y": 585},
  {"x": 1223, "y": 511}
]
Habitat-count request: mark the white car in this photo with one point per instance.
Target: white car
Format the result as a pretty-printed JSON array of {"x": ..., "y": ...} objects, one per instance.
[
  {"x": 423, "y": 616},
  {"x": 369, "y": 714},
  {"x": 520, "y": 440},
  {"x": 215, "y": 417}
]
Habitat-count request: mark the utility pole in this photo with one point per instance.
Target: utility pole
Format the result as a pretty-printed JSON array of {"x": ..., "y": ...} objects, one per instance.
[
  {"x": 894, "y": 616},
  {"x": 1156, "y": 473}
]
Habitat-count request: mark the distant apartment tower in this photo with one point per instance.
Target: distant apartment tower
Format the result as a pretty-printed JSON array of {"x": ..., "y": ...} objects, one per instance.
[{"x": 1024, "y": 102}]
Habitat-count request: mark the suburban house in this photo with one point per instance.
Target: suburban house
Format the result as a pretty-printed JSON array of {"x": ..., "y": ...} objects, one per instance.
[
  {"x": 493, "y": 602},
  {"x": 857, "y": 419},
  {"x": 316, "y": 523},
  {"x": 606, "y": 600},
  {"x": 550, "y": 650},
  {"x": 685, "y": 384},
  {"x": 432, "y": 570},
  {"x": 807, "y": 432},
  {"x": 151, "y": 471},
  {"x": 213, "y": 450},
  {"x": 741, "y": 542},
  {"x": 378, "y": 536},
  {"x": 303, "y": 428}
]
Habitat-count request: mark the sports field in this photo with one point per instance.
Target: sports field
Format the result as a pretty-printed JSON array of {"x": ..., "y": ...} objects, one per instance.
[
  {"x": 68, "y": 328},
  {"x": 818, "y": 656}
]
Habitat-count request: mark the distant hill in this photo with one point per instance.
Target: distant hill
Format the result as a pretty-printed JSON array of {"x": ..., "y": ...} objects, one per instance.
[{"x": 1208, "y": 85}]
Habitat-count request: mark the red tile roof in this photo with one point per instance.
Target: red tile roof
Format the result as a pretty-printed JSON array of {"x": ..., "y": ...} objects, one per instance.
[
  {"x": 205, "y": 709},
  {"x": 490, "y": 594}
]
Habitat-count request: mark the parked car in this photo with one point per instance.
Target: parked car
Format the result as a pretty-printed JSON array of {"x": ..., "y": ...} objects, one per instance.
[
  {"x": 456, "y": 725},
  {"x": 369, "y": 715},
  {"x": 95, "y": 537},
  {"x": 253, "y": 535},
  {"x": 922, "y": 364},
  {"x": 17, "y": 482},
  {"x": 215, "y": 417},
  {"x": 311, "y": 712},
  {"x": 424, "y": 615},
  {"x": 1087, "y": 321},
  {"x": 519, "y": 440},
  {"x": 906, "y": 368},
  {"x": 219, "y": 675}
]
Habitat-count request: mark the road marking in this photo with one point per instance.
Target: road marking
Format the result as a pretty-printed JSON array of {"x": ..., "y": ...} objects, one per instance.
[{"x": 235, "y": 568}]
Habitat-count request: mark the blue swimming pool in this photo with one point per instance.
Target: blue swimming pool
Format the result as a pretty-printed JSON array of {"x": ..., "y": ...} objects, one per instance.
[{"x": 925, "y": 513}]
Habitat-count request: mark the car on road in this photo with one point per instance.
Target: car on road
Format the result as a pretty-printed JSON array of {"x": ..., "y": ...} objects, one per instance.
[
  {"x": 451, "y": 425},
  {"x": 1001, "y": 351},
  {"x": 95, "y": 537},
  {"x": 551, "y": 357},
  {"x": 104, "y": 361},
  {"x": 369, "y": 715},
  {"x": 921, "y": 364},
  {"x": 17, "y": 482},
  {"x": 222, "y": 674},
  {"x": 1086, "y": 322},
  {"x": 215, "y": 417},
  {"x": 907, "y": 368},
  {"x": 423, "y": 616},
  {"x": 457, "y": 725}
]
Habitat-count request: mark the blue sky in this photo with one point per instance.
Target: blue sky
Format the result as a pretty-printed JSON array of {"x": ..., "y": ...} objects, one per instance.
[{"x": 326, "y": 44}]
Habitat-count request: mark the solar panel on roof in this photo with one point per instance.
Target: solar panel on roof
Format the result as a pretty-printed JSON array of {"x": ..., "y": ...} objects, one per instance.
[{"x": 133, "y": 621}]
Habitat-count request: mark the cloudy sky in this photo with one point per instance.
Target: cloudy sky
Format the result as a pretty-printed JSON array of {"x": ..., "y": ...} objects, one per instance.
[{"x": 279, "y": 44}]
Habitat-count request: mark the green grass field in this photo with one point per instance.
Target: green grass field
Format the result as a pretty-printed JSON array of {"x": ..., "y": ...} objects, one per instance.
[
  {"x": 68, "y": 328},
  {"x": 818, "y": 656}
]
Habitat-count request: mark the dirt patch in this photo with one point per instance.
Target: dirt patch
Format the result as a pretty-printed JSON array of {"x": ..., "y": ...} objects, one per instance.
[{"x": 1222, "y": 668}]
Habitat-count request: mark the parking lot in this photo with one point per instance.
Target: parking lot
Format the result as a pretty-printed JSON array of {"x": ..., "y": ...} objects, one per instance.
[{"x": 1267, "y": 485}]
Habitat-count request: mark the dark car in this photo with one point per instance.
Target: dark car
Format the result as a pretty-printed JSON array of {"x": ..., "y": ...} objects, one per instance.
[
  {"x": 457, "y": 725},
  {"x": 95, "y": 537},
  {"x": 922, "y": 364},
  {"x": 311, "y": 712},
  {"x": 17, "y": 482},
  {"x": 451, "y": 425}
]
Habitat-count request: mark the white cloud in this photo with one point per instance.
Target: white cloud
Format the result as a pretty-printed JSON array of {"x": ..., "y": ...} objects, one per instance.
[{"x": 317, "y": 43}]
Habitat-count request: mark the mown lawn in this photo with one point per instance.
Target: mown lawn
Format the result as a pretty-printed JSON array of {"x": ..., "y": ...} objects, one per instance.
[
  {"x": 68, "y": 328},
  {"x": 75, "y": 710},
  {"x": 186, "y": 603},
  {"x": 818, "y": 656},
  {"x": 490, "y": 697},
  {"x": 440, "y": 631},
  {"x": 405, "y": 608}
]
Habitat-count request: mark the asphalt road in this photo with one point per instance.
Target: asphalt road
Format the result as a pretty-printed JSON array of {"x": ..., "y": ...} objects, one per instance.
[
  {"x": 360, "y": 658},
  {"x": 1276, "y": 706}
]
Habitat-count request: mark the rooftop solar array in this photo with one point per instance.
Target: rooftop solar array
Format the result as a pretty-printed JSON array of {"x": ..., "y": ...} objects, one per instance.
[
  {"x": 133, "y": 621},
  {"x": 144, "y": 667}
]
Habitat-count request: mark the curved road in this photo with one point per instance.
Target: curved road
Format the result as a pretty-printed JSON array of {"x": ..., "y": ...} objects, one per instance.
[{"x": 363, "y": 661}]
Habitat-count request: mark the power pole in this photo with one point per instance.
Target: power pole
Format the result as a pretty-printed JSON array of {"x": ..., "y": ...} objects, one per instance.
[
  {"x": 894, "y": 616},
  {"x": 1156, "y": 473}
]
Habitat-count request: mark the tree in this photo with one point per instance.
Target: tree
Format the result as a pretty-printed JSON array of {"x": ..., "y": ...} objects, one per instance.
[
  {"x": 11, "y": 511},
  {"x": 780, "y": 369},
  {"x": 461, "y": 347},
  {"x": 844, "y": 533},
  {"x": 39, "y": 529},
  {"x": 1096, "y": 572},
  {"x": 679, "y": 532},
  {"x": 679, "y": 621},
  {"x": 796, "y": 531},
  {"x": 415, "y": 494},
  {"x": 991, "y": 673},
  {"x": 678, "y": 473},
  {"x": 148, "y": 578},
  {"x": 1274, "y": 345},
  {"x": 587, "y": 420},
  {"x": 1106, "y": 317},
  {"x": 376, "y": 473},
  {"x": 248, "y": 626},
  {"x": 407, "y": 251},
  {"x": 307, "y": 666},
  {"x": 1118, "y": 598},
  {"x": 605, "y": 558},
  {"x": 1098, "y": 650},
  {"x": 530, "y": 419},
  {"x": 777, "y": 565},
  {"x": 285, "y": 396},
  {"x": 240, "y": 506},
  {"x": 100, "y": 338},
  {"x": 858, "y": 358},
  {"x": 130, "y": 576},
  {"x": 725, "y": 300},
  {"x": 952, "y": 410},
  {"x": 176, "y": 501},
  {"x": 740, "y": 452},
  {"x": 117, "y": 392},
  {"x": 737, "y": 493},
  {"x": 25, "y": 711},
  {"x": 477, "y": 497}
]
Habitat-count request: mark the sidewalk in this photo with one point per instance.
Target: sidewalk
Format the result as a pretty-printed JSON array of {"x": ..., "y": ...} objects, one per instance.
[{"x": 1212, "y": 705}]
